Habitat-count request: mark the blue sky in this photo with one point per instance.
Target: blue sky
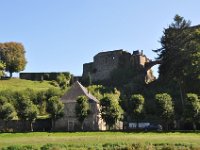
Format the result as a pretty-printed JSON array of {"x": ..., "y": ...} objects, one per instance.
[{"x": 61, "y": 35}]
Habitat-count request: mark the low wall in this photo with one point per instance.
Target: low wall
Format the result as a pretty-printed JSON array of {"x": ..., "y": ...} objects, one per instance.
[{"x": 22, "y": 126}]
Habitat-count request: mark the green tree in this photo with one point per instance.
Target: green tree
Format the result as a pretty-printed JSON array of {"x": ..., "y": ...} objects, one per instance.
[
  {"x": 32, "y": 114},
  {"x": 26, "y": 110},
  {"x": 7, "y": 112},
  {"x": 13, "y": 54},
  {"x": 55, "y": 108},
  {"x": 165, "y": 108},
  {"x": 63, "y": 80},
  {"x": 51, "y": 92},
  {"x": 3, "y": 100},
  {"x": 180, "y": 55},
  {"x": 136, "y": 106},
  {"x": 2, "y": 69},
  {"x": 192, "y": 109},
  {"x": 82, "y": 109},
  {"x": 111, "y": 111}
]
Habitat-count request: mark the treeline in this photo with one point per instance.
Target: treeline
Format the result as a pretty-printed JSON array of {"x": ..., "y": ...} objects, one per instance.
[
  {"x": 135, "y": 108},
  {"x": 28, "y": 105}
]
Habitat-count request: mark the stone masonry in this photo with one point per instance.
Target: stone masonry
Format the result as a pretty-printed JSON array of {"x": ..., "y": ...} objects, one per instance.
[{"x": 105, "y": 62}]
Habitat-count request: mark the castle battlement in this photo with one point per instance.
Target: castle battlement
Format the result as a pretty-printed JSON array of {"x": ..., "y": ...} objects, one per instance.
[{"x": 105, "y": 62}]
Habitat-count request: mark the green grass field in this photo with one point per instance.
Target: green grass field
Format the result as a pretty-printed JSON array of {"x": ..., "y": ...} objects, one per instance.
[
  {"x": 15, "y": 84},
  {"x": 99, "y": 139}
]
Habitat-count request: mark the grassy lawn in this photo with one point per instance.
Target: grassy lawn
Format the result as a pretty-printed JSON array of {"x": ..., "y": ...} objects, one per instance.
[
  {"x": 20, "y": 84},
  {"x": 98, "y": 138}
]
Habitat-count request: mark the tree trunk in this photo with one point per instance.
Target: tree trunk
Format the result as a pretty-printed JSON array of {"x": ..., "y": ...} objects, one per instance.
[
  {"x": 82, "y": 126},
  {"x": 5, "y": 126},
  {"x": 167, "y": 126},
  {"x": 31, "y": 126},
  {"x": 194, "y": 125},
  {"x": 181, "y": 94},
  {"x": 10, "y": 74},
  {"x": 53, "y": 122},
  {"x": 137, "y": 124}
]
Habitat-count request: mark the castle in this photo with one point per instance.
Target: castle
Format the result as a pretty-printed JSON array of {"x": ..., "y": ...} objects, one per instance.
[
  {"x": 106, "y": 62},
  {"x": 103, "y": 66}
]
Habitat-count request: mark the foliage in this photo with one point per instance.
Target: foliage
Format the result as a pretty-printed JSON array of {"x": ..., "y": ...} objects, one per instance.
[
  {"x": 180, "y": 55},
  {"x": 55, "y": 107},
  {"x": 7, "y": 111},
  {"x": 136, "y": 106},
  {"x": 2, "y": 69},
  {"x": 123, "y": 76},
  {"x": 111, "y": 111},
  {"x": 13, "y": 54},
  {"x": 63, "y": 80},
  {"x": 26, "y": 110},
  {"x": 99, "y": 90},
  {"x": 51, "y": 92},
  {"x": 32, "y": 114},
  {"x": 192, "y": 108},
  {"x": 3, "y": 100},
  {"x": 82, "y": 109},
  {"x": 165, "y": 108}
]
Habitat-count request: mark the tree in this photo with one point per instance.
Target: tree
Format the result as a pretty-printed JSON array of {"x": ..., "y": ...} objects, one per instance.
[
  {"x": 13, "y": 55},
  {"x": 2, "y": 69},
  {"x": 111, "y": 111},
  {"x": 180, "y": 55},
  {"x": 136, "y": 106},
  {"x": 55, "y": 108},
  {"x": 3, "y": 100},
  {"x": 82, "y": 109},
  {"x": 63, "y": 80},
  {"x": 192, "y": 108},
  {"x": 32, "y": 114},
  {"x": 7, "y": 112},
  {"x": 26, "y": 110},
  {"x": 51, "y": 92},
  {"x": 165, "y": 108}
]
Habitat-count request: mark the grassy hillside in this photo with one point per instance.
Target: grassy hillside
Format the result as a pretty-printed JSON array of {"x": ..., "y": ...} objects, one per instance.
[
  {"x": 102, "y": 140},
  {"x": 20, "y": 84}
]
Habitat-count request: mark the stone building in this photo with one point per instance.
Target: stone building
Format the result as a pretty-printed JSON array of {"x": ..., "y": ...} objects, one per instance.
[
  {"x": 105, "y": 63},
  {"x": 69, "y": 122}
]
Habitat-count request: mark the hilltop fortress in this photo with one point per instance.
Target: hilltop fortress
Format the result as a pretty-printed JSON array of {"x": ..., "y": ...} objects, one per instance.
[{"x": 104, "y": 63}]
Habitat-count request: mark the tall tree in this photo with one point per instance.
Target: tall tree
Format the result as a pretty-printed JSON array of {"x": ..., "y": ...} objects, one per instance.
[
  {"x": 32, "y": 114},
  {"x": 82, "y": 109},
  {"x": 192, "y": 109},
  {"x": 111, "y": 111},
  {"x": 13, "y": 54},
  {"x": 26, "y": 110},
  {"x": 180, "y": 55},
  {"x": 55, "y": 108},
  {"x": 165, "y": 108},
  {"x": 136, "y": 106}
]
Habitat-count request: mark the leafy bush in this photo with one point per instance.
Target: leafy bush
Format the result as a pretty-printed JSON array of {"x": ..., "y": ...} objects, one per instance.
[
  {"x": 54, "y": 147},
  {"x": 26, "y": 147}
]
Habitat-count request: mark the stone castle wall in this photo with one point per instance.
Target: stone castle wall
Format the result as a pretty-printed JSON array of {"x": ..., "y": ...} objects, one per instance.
[{"x": 105, "y": 62}]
